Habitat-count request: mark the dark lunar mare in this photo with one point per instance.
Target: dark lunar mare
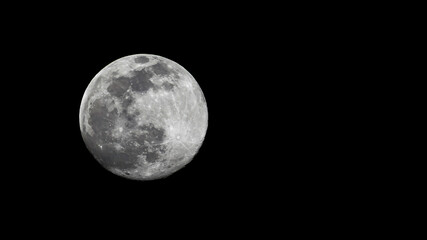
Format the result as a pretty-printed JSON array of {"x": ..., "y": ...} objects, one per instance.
[
  {"x": 155, "y": 137},
  {"x": 141, "y": 59},
  {"x": 126, "y": 158},
  {"x": 119, "y": 86},
  {"x": 102, "y": 124},
  {"x": 152, "y": 134},
  {"x": 168, "y": 86},
  {"x": 141, "y": 81},
  {"x": 130, "y": 118},
  {"x": 160, "y": 69},
  {"x": 98, "y": 119}
]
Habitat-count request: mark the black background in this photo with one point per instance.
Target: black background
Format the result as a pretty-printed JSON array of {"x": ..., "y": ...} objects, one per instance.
[
  {"x": 230, "y": 59},
  {"x": 277, "y": 132}
]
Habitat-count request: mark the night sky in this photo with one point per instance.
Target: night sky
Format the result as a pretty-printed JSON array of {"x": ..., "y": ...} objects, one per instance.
[{"x": 269, "y": 84}]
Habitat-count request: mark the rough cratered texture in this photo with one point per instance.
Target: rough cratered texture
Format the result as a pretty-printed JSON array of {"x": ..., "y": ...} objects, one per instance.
[{"x": 143, "y": 117}]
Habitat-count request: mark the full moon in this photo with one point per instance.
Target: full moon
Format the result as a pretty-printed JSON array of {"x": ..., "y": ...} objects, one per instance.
[{"x": 143, "y": 117}]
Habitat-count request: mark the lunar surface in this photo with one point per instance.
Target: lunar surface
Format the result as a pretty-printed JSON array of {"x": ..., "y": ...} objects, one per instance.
[{"x": 143, "y": 117}]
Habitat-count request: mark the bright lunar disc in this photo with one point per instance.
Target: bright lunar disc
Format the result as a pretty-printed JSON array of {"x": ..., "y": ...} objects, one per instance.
[{"x": 143, "y": 117}]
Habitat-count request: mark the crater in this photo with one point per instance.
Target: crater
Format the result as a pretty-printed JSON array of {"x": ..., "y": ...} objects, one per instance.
[{"x": 141, "y": 59}]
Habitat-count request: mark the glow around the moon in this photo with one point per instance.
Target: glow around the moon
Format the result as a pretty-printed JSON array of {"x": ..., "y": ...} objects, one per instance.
[{"x": 143, "y": 117}]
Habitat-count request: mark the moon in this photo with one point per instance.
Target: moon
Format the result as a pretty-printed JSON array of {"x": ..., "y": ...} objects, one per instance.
[{"x": 143, "y": 117}]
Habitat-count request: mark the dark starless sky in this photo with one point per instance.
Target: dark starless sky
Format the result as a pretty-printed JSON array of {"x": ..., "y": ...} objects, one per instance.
[
  {"x": 223, "y": 73},
  {"x": 282, "y": 84},
  {"x": 257, "y": 78},
  {"x": 242, "y": 74},
  {"x": 238, "y": 159}
]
